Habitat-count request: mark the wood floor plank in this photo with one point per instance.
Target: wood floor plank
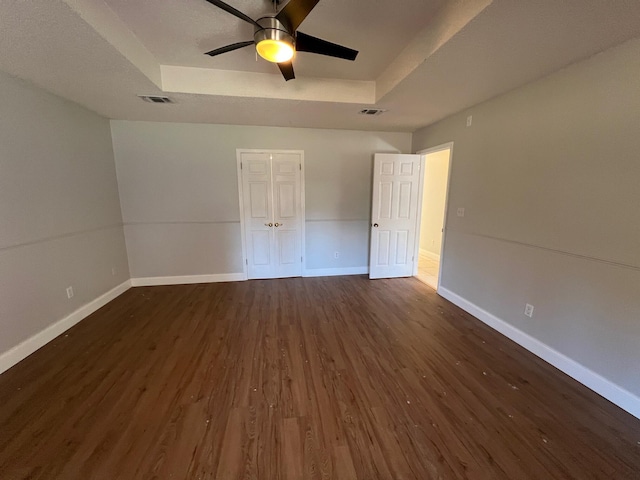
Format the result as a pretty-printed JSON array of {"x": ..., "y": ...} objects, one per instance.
[{"x": 314, "y": 378}]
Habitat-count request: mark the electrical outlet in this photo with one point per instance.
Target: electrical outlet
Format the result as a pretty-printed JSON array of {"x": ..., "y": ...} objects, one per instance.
[
  {"x": 528, "y": 310},
  {"x": 113, "y": 271},
  {"x": 69, "y": 292},
  {"x": 461, "y": 212},
  {"x": 469, "y": 120},
  {"x": 336, "y": 255}
]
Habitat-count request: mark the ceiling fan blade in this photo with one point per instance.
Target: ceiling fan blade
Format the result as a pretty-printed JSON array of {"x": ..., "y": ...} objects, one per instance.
[
  {"x": 234, "y": 12},
  {"x": 294, "y": 12},
  {"x": 229, "y": 48},
  {"x": 287, "y": 70},
  {"x": 307, "y": 43}
]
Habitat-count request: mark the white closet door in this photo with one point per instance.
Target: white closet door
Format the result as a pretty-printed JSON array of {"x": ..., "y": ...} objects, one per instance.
[
  {"x": 394, "y": 213},
  {"x": 272, "y": 213},
  {"x": 287, "y": 214},
  {"x": 258, "y": 208}
]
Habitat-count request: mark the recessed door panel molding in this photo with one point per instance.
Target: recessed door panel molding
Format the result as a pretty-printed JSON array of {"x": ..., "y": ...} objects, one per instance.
[
  {"x": 261, "y": 251},
  {"x": 404, "y": 200},
  {"x": 394, "y": 208},
  {"x": 407, "y": 168},
  {"x": 258, "y": 199},
  {"x": 285, "y": 168},
  {"x": 402, "y": 237},
  {"x": 382, "y": 257},
  {"x": 285, "y": 202},
  {"x": 386, "y": 168},
  {"x": 271, "y": 184},
  {"x": 287, "y": 247},
  {"x": 385, "y": 202},
  {"x": 257, "y": 167}
]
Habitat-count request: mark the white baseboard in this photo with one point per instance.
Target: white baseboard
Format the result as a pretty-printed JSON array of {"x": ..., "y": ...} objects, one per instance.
[
  {"x": 609, "y": 390},
  {"x": 431, "y": 255},
  {"x": 9, "y": 358},
  {"x": 238, "y": 277},
  {"x": 187, "y": 279},
  {"x": 333, "y": 272}
]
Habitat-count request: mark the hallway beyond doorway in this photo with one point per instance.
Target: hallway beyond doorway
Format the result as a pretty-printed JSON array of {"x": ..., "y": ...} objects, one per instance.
[
  {"x": 428, "y": 269},
  {"x": 436, "y": 164}
]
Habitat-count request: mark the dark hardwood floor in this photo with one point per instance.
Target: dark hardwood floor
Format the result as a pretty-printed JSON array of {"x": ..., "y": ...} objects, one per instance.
[{"x": 317, "y": 378}]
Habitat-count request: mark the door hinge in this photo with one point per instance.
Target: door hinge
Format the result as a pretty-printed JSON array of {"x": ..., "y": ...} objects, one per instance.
[
  {"x": 240, "y": 165},
  {"x": 300, "y": 165},
  {"x": 246, "y": 261},
  {"x": 301, "y": 260}
]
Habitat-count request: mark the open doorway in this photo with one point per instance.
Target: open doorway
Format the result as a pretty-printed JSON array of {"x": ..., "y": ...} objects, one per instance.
[{"x": 436, "y": 163}]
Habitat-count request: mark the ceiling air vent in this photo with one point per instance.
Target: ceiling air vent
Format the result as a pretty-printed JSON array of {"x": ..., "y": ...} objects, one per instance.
[
  {"x": 371, "y": 111},
  {"x": 155, "y": 99}
]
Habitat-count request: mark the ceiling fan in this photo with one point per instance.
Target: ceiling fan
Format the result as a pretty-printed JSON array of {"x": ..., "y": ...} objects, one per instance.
[{"x": 277, "y": 38}]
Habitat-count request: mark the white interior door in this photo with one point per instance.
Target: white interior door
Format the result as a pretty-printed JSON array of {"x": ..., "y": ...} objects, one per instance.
[
  {"x": 258, "y": 214},
  {"x": 273, "y": 213},
  {"x": 286, "y": 171},
  {"x": 394, "y": 214}
]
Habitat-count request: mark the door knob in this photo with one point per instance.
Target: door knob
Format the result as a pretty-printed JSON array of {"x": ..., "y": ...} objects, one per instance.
[
  {"x": 268, "y": 224},
  {"x": 375, "y": 225},
  {"x": 279, "y": 224}
]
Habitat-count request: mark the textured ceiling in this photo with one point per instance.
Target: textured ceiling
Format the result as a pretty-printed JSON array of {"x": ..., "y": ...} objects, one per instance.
[
  {"x": 421, "y": 60},
  {"x": 178, "y": 33}
]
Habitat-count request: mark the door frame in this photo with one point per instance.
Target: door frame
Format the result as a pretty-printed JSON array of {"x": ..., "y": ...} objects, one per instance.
[
  {"x": 239, "y": 152},
  {"x": 423, "y": 158}
]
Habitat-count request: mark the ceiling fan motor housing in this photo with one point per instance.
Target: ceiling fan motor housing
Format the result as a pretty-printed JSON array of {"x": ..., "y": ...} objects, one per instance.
[
  {"x": 272, "y": 29},
  {"x": 276, "y": 38}
]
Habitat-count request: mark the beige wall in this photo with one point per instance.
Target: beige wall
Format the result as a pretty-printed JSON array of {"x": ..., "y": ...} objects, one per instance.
[
  {"x": 179, "y": 193},
  {"x": 549, "y": 176},
  {"x": 60, "y": 221},
  {"x": 436, "y": 173}
]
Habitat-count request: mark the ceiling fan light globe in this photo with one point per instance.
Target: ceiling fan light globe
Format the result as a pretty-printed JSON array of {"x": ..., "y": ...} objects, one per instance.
[{"x": 276, "y": 51}]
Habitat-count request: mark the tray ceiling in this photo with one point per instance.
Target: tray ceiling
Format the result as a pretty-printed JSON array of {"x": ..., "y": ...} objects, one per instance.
[{"x": 420, "y": 60}]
